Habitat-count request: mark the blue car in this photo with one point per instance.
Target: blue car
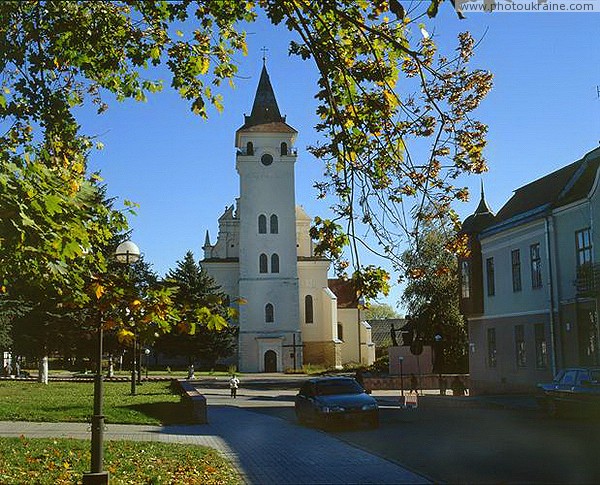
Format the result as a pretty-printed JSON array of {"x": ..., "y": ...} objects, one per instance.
[
  {"x": 574, "y": 389},
  {"x": 326, "y": 401}
]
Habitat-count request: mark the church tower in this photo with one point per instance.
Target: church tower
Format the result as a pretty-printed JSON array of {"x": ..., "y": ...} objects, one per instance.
[{"x": 269, "y": 328}]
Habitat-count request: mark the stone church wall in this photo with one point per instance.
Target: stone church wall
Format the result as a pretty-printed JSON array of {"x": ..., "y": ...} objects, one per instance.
[{"x": 327, "y": 354}]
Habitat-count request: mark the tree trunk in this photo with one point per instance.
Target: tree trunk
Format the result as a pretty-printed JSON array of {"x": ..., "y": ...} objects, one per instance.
[{"x": 43, "y": 370}]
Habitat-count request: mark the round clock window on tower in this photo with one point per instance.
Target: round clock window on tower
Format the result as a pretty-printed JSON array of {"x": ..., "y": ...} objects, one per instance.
[{"x": 266, "y": 159}]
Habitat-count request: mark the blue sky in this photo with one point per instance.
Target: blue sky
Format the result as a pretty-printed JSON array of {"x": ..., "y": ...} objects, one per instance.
[{"x": 543, "y": 113}]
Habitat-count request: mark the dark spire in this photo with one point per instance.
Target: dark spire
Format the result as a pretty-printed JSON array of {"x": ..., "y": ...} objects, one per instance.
[
  {"x": 481, "y": 218},
  {"x": 483, "y": 208},
  {"x": 264, "y": 109}
]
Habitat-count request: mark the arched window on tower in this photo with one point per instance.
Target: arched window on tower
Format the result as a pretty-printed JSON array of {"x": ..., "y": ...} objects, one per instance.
[
  {"x": 308, "y": 309},
  {"x": 284, "y": 148},
  {"x": 249, "y": 148},
  {"x": 274, "y": 263},
  {"x": 262, "y": 224},
  {"x": 269, "y": 313},
  {"x": 274, "y": 224},
  {"x": 262, "y": 263}
]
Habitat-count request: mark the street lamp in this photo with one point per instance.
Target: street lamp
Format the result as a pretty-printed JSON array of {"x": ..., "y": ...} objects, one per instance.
[
  {"x": 128, "y": 253},
  {"x": 146, "y": 353},
  {"x": 97, "y": 474}
]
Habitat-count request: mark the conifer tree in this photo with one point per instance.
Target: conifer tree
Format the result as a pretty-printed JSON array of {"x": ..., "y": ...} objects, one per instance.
[{"x": 203, "y": 332}]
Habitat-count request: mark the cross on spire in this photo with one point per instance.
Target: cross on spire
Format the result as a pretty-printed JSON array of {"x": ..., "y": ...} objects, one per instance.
[{"x": 264, "y": 57}]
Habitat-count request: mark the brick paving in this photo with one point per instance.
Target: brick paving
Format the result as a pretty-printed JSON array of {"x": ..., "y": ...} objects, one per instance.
[{"x": 265, "y": 449}]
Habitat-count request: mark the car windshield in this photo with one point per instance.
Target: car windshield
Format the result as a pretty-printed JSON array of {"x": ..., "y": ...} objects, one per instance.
[{"x": 328, "y": 388}]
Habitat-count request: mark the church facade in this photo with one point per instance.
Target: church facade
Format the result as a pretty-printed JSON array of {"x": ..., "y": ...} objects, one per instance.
[{"x": 263, "y": 259}]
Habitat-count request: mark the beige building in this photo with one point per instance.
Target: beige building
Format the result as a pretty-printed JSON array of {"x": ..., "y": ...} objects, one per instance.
[{"x": 263, "y": 259}]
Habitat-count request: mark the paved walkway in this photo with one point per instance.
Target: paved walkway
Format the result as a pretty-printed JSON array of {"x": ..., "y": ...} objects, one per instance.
[{"x": 266, "y": 450}]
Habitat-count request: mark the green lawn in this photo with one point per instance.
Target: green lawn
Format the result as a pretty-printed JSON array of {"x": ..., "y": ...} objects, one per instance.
[
  {"x": 73, "y": 401},
  {"x": 63, "y": 461}
]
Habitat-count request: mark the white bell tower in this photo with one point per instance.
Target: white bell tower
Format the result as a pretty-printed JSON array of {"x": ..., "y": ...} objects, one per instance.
[{"x": 269, "y": 322}]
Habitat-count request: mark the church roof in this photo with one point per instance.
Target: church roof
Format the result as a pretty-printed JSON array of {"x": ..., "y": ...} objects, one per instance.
[
  {"x": 265, "y": 116},
  {"x": 344, "y": 291}
]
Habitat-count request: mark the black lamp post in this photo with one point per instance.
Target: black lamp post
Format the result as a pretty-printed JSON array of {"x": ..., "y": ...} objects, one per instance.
[
  {"x": 147, "y": 354},
  {"x": 131, "y": 254},
  {"x": 128, "y": 253}
]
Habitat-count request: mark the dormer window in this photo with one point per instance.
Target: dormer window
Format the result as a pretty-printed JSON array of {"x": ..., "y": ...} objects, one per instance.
[
  {"x": 284, "y": 149},
  {"x": 249, "y": 148}
]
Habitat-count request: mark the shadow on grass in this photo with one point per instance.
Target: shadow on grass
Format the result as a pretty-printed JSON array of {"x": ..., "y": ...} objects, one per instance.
[{"x": 168, "y": 413}]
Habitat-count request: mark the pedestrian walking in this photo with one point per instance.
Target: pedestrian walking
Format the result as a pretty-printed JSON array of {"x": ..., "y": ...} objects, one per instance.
[
  {"x": 191, "y": 374},
  {"x": 234, "y": 383}
]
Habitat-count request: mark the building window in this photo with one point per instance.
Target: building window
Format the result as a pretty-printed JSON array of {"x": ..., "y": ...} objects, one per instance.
[
  {"x": 262, "y": 264},
  {"x": 541, "y": 349},
  {"x": 284, "y": 149},
  {"x": 491, "y": 347},
  {"x": 266, "y": 159},
  {"x": 520, "y": 345},
  {"x": 491, "y": 285},
  {"x": 249, "y": 148},
  {"x": 340, "y": 331},
  {"x": 536, "y": 266},
  {"x": 274, "y": 263},
  {"x": 274, "y": 224},
  {"x": 269, "y": 317},
  {"x": 465, "y": 280},
  {"x": 583, "y": 243},
  {"x": 262, "y": 224},
  {"x": 515, "y": 257},
  {"x": 308, "y": 309}
]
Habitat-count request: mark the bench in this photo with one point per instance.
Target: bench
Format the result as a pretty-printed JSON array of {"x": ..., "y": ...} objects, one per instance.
[{"x": 194, "y": 401}]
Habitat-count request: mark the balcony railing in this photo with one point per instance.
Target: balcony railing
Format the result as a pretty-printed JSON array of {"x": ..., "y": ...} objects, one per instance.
[{"x": 588, "y": 279}]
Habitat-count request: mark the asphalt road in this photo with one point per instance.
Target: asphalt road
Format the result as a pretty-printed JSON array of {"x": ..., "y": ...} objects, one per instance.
[{"x": 466, "y": 444}]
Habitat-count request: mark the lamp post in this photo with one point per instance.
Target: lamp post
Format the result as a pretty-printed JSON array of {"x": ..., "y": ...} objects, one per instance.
[
  {"x": 146, "y": 353},
  {"x": 128, "y": 253},
  {"x": 97, "y": 475}
]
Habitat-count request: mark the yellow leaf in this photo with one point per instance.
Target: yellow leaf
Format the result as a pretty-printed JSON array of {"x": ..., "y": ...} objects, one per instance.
[
  {"x": 99, "y": 291},
  {"x": 125, "y": 336}
]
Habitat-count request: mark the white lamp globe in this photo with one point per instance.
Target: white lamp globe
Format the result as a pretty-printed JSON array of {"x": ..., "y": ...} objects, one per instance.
[{"x": 127, "y": 252}]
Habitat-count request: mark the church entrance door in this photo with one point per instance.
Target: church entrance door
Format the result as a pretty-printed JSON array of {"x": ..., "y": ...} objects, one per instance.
[{"x": 270, "y": 361}]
